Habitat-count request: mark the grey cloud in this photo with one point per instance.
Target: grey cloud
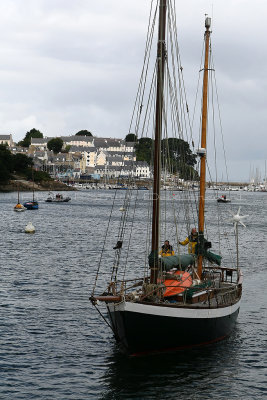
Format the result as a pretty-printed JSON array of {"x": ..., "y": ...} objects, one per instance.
[{"x": 69, "y": 65}]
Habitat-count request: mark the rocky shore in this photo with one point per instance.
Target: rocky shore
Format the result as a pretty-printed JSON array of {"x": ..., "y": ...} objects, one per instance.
[{"x": 26, "y": 186}]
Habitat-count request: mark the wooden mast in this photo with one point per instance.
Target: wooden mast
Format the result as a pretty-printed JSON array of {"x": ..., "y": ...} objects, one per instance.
[
  {"x": 161, "y": 53},
  {"x": 202, "y": 153}
]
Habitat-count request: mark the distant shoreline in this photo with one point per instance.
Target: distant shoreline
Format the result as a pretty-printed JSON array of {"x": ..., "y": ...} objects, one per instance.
[{"x": 26, "y": 186}]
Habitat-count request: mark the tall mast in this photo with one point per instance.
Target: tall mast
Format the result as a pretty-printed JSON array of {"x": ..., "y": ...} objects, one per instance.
[
  {"x": 202, "y": 185},
  {"x": 161, "y": 52}
]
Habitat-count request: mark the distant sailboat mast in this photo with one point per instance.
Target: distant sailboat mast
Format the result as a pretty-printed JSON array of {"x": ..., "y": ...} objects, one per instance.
[
  {"x": 32, "y": 185},
  {"x": 265, "y": 183},
  {"x": 18, "y": 194},
  {"x": 158, "y": 135},
  {"x": 202, "y": 151}
]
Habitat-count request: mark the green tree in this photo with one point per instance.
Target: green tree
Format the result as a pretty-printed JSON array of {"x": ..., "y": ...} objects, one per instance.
[
  {"x": 131, "y": 137},
  {"x": 33, "y": 133},
  {"x": 37, "y": 176},
  {"x": 83, "y": 132},
  {"x": 178, "y": 151},
  {"x": 67, "y": 149},
  {"x": 55, "y": 145},
  {"x": 21, "y": 162},
  {"x": 180, "y": 158},
  {"x": 6, "y": 163},
  {"x": 143, "y": 149},
  {"x": 6, "y": 155},
  {"x": 4, "y": 173},
  {"x": 176, "y": 155}
]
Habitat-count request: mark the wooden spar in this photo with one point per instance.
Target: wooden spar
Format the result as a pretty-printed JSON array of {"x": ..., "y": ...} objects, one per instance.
[
  {"x": 202, "y": 185},
  {"x": 158, "y": 133},
  {"x": 106, "y": 299}
]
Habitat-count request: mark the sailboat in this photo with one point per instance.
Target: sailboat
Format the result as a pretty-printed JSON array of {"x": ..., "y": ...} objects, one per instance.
[
  {"x": 173, "y": 302},
  {"x": 32, "y": 204},
  {"x": 19, "y": 207}
]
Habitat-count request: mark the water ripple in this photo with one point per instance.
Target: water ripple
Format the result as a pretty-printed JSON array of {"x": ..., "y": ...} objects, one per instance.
[{"x": 55, "y": 346}]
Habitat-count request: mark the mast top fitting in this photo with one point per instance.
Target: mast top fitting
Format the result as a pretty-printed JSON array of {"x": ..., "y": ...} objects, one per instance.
[{"x": 207, "y": 23}]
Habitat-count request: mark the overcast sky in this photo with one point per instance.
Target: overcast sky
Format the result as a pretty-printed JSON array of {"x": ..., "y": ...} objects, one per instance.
[{"x": 68, "y": 65}]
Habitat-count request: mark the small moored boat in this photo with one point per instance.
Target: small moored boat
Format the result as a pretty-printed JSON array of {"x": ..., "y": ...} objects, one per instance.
[
  {"x": 223, "y": 199},
  {"x": 31, "y": 205},
  {"x": 58, "y": 198},
  {"x": 19, "y": 207}
]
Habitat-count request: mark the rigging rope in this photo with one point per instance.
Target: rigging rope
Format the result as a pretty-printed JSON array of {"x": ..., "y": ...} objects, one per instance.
[{"x": 176, "y": 125}]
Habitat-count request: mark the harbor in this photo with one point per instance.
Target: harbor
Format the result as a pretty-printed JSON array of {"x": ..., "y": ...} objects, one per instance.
[{"x": 133, "y": 212}]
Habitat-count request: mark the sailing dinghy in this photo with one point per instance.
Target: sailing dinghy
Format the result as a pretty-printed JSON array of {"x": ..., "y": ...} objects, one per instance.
[
  {"x": 19, "y": 207},
  {"x": 166, "y": 303}
]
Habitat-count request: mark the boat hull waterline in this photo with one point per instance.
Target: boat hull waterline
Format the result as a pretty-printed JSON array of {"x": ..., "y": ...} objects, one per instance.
[
  {"x": 223, "y": 201},
  {"x": 19, "y": 208},
  {"x": 176, "y": 327}
]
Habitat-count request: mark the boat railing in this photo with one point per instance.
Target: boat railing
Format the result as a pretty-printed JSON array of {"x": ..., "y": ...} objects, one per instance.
[
  {"x": 231, "y": 275},
  {"x": 220, "y": 289},
  {"x": 224, "y": 296}
]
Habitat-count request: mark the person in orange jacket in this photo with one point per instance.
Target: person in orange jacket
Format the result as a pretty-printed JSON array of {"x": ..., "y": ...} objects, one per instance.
[
  {"x": 191, "y": 240},
  {"x": 166, "y": 249}
]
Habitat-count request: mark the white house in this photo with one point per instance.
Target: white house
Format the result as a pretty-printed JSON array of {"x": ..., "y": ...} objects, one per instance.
[
  {"x": 142, "y": 170},
  {"x": 101, "y": 158},
  {"x": 84, "y": 141},
  {"x": 39, "y": 144}
]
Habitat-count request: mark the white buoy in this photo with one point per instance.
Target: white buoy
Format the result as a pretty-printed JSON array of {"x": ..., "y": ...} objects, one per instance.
[{"x": 29, "y": 228}]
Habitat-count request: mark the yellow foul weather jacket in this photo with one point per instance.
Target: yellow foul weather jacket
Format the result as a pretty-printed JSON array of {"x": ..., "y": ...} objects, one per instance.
[
  {"x": 192, "y": 242},
  {"x": 166, "y": 252}
]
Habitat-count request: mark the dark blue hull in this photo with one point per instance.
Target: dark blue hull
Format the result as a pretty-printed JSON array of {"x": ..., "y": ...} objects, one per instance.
[
  {"x": 31, "y": 205},
  {"x": 144, "y": 332}
]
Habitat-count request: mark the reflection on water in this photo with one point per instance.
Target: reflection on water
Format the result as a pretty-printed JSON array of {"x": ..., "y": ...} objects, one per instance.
[{"x": 198, "y": 372}]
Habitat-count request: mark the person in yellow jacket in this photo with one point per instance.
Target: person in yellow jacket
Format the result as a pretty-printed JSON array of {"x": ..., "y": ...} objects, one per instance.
[
  {"x": 166, "y": 249},
  {"x": 191, "y": 240}
]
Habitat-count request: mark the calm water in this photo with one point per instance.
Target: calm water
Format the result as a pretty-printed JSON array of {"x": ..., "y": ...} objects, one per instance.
[{"x": 53, "y": 343}]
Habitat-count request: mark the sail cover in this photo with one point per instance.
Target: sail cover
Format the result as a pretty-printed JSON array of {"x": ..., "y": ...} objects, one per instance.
[
  {"x": 213, "y": 258},
  {"x": 167, "y": 263},
  {"x": 181, "y": 261}
]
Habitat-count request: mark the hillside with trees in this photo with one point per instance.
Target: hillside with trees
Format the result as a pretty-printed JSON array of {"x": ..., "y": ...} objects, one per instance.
[
  {"x": 18, "y": 165},
  {"x": 176, "y": 155}
]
